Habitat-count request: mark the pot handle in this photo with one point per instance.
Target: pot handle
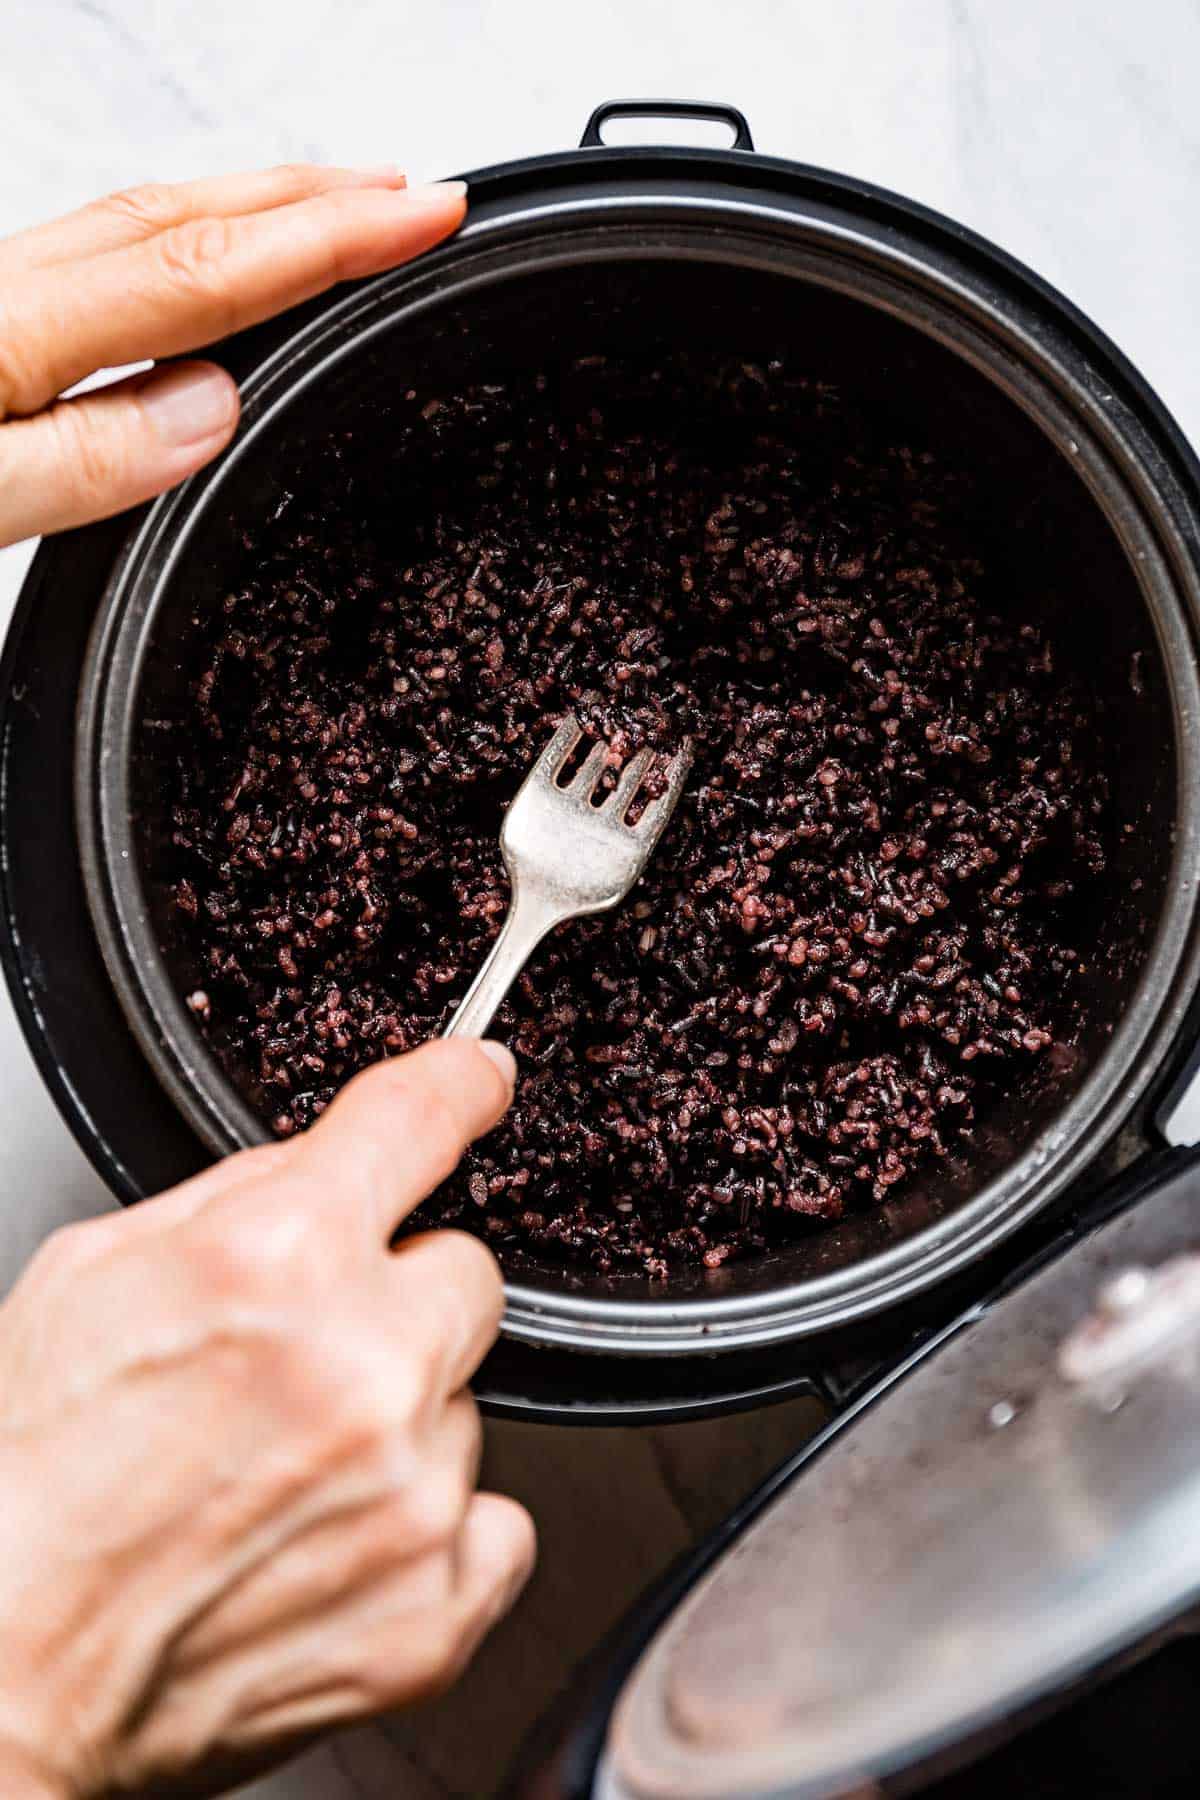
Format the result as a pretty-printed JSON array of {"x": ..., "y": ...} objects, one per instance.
[{"x": 666, "y": 109}]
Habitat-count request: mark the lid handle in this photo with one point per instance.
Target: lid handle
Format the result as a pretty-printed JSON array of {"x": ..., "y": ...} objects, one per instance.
[{"x": 667, "y": 109}]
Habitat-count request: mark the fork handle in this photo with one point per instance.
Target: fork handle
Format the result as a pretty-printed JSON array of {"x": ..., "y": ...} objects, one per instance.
[{"x": 529, "y": 918}]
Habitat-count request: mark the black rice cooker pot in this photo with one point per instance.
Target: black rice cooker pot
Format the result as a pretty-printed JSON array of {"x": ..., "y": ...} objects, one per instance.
[{"x": 578, "y": 253}]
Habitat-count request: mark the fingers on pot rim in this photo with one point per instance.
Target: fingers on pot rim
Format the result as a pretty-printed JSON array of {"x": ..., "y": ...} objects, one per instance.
[
  {"x": 203, "y": 280},
  {"x": 132, "y": 214},
  {"x": 93, "y": 456}
]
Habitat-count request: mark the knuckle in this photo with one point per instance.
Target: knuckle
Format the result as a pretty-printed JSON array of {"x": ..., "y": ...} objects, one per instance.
[
  {"x": 193, "y": 256},
  {"x": 322, "y": 1432},
  {"x": 265, "y": 1161},
  {"x": 464, "y": 1267},
  {"x": 256, "y": 1250},
  {"x": 16, "y": 371},
  {"x": 424, "y": 1105},
  {"x": 294, "y": 178},
  {"x": 417, "y": 1392},
  {"x": 472, "y": 1254},
  {"x": 93, "y": 461},
  {"x": 148, "y": 207},
  {"x": 336, "y": 1429},
  {"x": 412, "y": 1385},
  {"x": 65, "y": 1250},
  {"x": 427, "y": 1515},
  {"x": 436, "y": 1115}
]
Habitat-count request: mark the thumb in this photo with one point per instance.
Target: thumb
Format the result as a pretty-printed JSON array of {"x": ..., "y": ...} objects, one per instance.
[{"x": 86, "y": 458}]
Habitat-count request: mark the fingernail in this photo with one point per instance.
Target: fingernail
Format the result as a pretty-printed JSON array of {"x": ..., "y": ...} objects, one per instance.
[
  {"x": 389, "y": 173},
  {"x": 502, "y": 1056},
  {"x": 437, "y": 190},
  {"x": 188, "y": 404}
]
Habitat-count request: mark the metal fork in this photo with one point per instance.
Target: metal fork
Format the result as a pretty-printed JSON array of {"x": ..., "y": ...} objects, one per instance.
[{"x": 566, "y": 856}]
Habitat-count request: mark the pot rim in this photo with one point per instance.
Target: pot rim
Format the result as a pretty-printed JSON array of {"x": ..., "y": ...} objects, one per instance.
[{"x": 1019, "y": 348}]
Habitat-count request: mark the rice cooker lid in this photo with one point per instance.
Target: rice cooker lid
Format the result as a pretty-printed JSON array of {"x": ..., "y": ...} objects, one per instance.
[{"x": 1005, "y": 1514}]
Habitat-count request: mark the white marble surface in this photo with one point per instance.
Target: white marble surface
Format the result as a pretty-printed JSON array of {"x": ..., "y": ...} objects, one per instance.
[{"x": 1067, "y": 130}]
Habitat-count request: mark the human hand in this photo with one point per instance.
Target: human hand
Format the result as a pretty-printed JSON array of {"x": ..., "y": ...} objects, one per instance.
[
  {"x": 156, "y": 272},
  {"x": 238, "y": 1456}
]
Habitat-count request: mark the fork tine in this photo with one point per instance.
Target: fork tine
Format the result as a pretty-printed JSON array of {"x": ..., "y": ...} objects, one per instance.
[
  {"x": 549, "y": 764},
  {"x": 632, "y": 776},
  {"x": 583, "y": 784},
  {"x": 652, "y": 821}
]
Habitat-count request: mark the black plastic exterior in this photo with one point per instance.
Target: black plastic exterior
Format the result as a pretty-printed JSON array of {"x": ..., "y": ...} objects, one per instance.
[{"x": 64, "y": 999}]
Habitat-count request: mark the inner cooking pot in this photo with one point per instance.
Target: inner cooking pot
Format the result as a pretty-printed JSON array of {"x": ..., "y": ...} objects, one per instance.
[{"x": 1072, "y": 499}]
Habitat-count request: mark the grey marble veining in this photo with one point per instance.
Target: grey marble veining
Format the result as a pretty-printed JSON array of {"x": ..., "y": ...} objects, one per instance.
[{"x": 1066, "y": 131}]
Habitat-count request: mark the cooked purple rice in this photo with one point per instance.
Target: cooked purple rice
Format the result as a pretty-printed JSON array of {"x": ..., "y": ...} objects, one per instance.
[{"x": 858, "y": 923}]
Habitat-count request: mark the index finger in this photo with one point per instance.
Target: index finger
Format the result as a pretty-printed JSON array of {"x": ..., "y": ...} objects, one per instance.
[
  {"x": 135, "y": 213},
  {"x": 401, "y": 1127},
  {"x": 204, "y": 279},
  {"x": 445, "y": 1294}
]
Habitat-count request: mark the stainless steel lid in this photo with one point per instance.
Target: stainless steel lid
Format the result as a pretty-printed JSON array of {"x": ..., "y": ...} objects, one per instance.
[{"x": 1015, "y": 1510}]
